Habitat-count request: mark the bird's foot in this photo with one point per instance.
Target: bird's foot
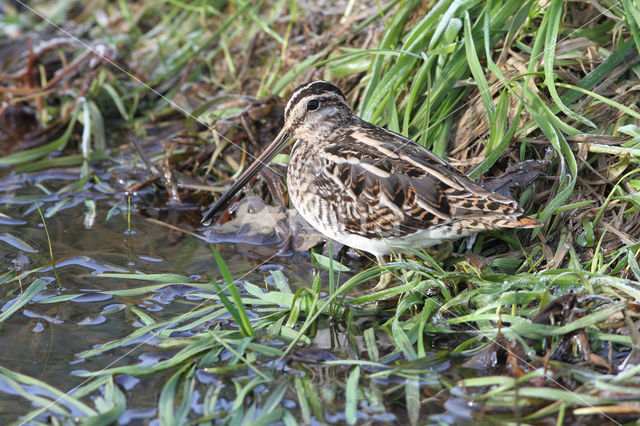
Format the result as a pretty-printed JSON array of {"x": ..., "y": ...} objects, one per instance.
[{"x": 385, "y": 279}]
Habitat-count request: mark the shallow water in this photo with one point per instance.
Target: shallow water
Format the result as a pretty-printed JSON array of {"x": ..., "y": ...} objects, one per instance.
[
  {"x": 97, "y": 230},
  {"x": 43, "y": 340}
]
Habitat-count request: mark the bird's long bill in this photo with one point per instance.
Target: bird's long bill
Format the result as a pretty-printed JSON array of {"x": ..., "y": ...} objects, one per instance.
[{"x": 264, "y": 159}]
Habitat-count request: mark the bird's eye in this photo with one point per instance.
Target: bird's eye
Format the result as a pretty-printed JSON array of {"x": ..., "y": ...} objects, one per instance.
[{"x": 312, "y": 105}]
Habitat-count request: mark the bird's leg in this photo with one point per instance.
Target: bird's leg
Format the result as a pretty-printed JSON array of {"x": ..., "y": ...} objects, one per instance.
[
  {"x": 385, "y": 278},
  {"x": 442, "y": 251}
]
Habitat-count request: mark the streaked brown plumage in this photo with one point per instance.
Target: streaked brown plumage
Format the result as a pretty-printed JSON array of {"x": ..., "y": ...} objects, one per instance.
[{"x": 373, "y": 189}]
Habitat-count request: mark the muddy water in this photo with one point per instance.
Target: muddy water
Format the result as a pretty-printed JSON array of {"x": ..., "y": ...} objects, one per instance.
[{"x": 43, "y": 340}]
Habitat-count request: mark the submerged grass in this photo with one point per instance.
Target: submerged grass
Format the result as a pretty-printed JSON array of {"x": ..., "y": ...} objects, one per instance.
[{"x": 520, "y": 327}]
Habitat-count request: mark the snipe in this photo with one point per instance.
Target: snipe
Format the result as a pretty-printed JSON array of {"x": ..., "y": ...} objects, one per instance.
[{"x": 370, "y": 188}]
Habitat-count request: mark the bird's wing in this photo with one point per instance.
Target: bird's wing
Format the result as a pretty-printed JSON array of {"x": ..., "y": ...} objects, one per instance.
[{"x": 401, "y": 187}]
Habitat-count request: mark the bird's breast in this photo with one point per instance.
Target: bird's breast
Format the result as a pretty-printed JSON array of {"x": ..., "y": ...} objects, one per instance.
[{"x": 315, "y": 197}]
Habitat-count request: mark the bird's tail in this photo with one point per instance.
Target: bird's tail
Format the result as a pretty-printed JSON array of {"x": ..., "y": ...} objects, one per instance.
[{"x": 523, "y": 222}]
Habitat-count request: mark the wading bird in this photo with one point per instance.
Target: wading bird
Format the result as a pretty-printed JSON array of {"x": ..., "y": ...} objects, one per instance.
[{"x": 372, "y": 189}]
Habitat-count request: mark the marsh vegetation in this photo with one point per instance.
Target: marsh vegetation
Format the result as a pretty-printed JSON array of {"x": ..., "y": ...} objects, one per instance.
[{"x": 121, "y": 121}]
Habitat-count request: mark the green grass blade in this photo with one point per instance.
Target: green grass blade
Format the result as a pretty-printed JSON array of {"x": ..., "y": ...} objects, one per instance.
[
  {"x": 476, "y": 70},
  {"x": 32, "y": 291},
  {"x": 604, "y": 99},
  {"x": 33, "y": 154},
  {"x": 633, "y": 20},
  {"x": 167, "y": 412},
  {"x": 412, "y": 397},
  {"x": 390, "y": 37},
  {"x": 161, "y": 278},
  {"x": 600, "y": 72},
  {"x": 17, "y": 380},
  {"x": 351, "y": 404},
  {"x": 275, "y": 398},
  {"x": 111, "y": 406},
  {"x": 329, "y": 264},
  {"x": 554, "y": 15},
  {"x": 236, "y": 309},
  {"x": 227, "y": 346}
]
